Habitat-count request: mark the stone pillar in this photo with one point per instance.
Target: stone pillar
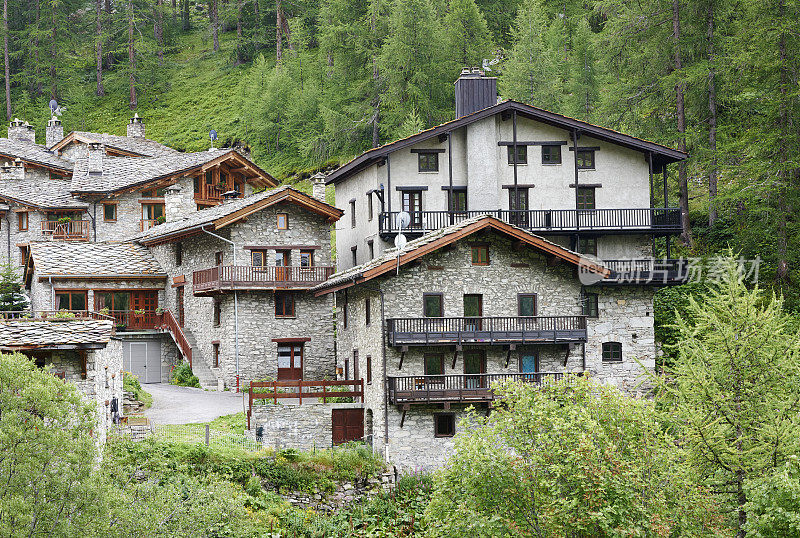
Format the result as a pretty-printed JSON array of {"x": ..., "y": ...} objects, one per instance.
[
  {"x": 21, "y": 131},
  {"x": 136, "y": 127},
  {"x": 94, "y": 164},
  {"x": 318, "y": 186},
  {"x": 13, "y": 170},
  {"x": 54, "y": 133}
]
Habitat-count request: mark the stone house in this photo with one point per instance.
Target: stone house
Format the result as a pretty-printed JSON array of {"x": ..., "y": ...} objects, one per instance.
[
  {"x": 84, "y": 352},
  {"x": 432, "y": 326}
]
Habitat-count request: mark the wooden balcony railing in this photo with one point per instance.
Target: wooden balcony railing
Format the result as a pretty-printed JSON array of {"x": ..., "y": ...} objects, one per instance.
[
  {"x": 647, "y": 270},
  {"x": 146, "y": 224},
  {"x": 421, "y": 389},
  {"x": 660, "y": 220},
  {"x": 74, "y": 230},
  {"x": 294, "y": 389},
  {"x": 133, "y": 320},
  {"x": 170, "y": 324},
  {"x": 244, "y": 277},
  {"x": 55, "y": 314},
  {"x": 486, "y": 330}
]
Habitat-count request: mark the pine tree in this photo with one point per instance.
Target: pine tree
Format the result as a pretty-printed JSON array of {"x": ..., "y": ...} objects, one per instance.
[
  {"x": 12, "y": 298},
  {"x": 467, "y": 39},
  {"x": 584, "y": 92}
]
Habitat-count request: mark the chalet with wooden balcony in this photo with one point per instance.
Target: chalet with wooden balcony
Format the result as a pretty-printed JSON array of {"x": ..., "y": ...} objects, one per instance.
[
  {"x": 590, "y": 189},
  {"x": 430, "y": 328}
]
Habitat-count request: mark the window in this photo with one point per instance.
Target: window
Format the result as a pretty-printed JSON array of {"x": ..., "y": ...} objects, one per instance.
[
  {"x": 412, "y": 202},
  {"x": 428, "y": 161},
  {"x": 612, "y": 352},
  {"x": 551, "y": 154},
  {"x": 590, "y": 305},
  {"x": 110, "y": 212},
  {"x": 371, "y": 247},
  {"x": 347, "y": 368},
  {"x": 369, "y": 369},
  {"x": 306, "y": 258},
  {"x": 367, "y": 311},
  {"x": 152, "y": 215},
  {"x": 587, "y": 245},
  {"x": 585, "y": 198},
  {"x": 218, "y": 257},
  {"x": 352, "y": 213},
  {"x": 71, "y": 300},
  {"x": 432, "y": 305},
  {"x": 444, "y": 424},
  {"x": 369, "y": 206},
  {"x": 522, "y": 154},
  {"x": 480, "y": 255},
  {"x": 283, "y": 221},
  {"x": 526, "y": 304},
  {"x": 354, "y": 254},
  {"x": 585, "y": 159},
  {"x": 178, "y": 254},
  {"x": 217, "y": 313},
  {"x": 434, "y": 363},
  {"x": 22, "y": 221},
  {"x": 356, "y": 373},
  {"x": 284, "y": 304},
  {"x": 23, "y": 255},
  {"x": 257, "y": 258},
  {"x": 457, "y": 199},
  {"x": 215, "y": 354}
]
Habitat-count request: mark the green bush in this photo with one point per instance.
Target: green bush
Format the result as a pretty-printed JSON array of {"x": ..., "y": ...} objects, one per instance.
[
  {"x": 130, "y": 383},
  {"x": 182, "y": 375}
]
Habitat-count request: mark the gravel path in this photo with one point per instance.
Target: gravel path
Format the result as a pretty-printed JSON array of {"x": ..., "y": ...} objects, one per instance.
[{"x": 187, "y": 405}]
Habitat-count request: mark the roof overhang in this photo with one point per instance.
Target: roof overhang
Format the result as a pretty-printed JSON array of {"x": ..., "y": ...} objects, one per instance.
[
  {"x": 50, "y": 347},
  {"x": 75, "y": 138},
  {"x": 39, "y": 164},
  {"x": 121, "y": 276}
]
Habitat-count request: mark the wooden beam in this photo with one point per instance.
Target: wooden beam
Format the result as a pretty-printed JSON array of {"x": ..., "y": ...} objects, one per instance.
[
  {"x": 82, "y": 354},
  {"x": 403, "y": 351},
  {"x": 403, "y": 418}
]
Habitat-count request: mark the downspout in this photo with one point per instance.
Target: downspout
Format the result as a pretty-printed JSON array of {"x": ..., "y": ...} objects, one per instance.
[
  {"x": 8, "y": 234},
  {"x": 53, "y": 294},
  {"x": 652, "y": 199},
  {"x": 388, "y": 193},
  {"x": 94, "y": 220},
  {"x": 235, "y": 304},
  {"x": 575, "y": 162},
  {"x": 450, "y": 195}
]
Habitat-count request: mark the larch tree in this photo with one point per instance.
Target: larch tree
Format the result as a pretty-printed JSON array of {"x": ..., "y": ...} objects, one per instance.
[
  {"x": 133, "y": 97},
  {"x": 213, "y": 19},
  {"x": 7, "y": 66},
  {"x": 99, "y": 47},
  {"x": 467, "y": 39}
]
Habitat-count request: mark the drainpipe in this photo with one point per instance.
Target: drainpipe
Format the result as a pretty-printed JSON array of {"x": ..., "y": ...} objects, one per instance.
[
  {"x": 235, "y": 305},
  {"x": 8, "y": 233}
]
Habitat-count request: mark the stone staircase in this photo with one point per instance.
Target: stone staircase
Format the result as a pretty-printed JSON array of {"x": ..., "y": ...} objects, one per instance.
[{"x": 200, "y": 366}]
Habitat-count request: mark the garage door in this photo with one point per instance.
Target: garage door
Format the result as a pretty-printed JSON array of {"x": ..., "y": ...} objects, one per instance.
[
  {"x": 143, "y": 359},
  {"x": 348, "y": 425}
]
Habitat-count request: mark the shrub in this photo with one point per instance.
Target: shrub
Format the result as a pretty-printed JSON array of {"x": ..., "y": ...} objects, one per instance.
[
  {"x": 182, "y": 375},
  {"x": 130, "y": 383}
]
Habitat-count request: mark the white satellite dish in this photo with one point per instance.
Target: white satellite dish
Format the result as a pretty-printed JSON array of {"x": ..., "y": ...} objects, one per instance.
[
  {"x": 400, "y": 241},
  {"x": 403, "y": 219}
]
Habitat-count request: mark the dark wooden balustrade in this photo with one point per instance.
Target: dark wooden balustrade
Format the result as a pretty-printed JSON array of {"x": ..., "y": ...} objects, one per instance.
[
  {"x": 131, "y": 320},
  {"x": 660, "y": 220},
  {"x": 74, "y": 230},
  {"x": 55, "y": 314},
  {"x": 426, "y": 389},
  {"x": 170, "y": 324},
  {"x": 647, "y": 270},
  {"x": 486, "y": 330},
  {"x": 300, "y": 389},
  {"x": 244, "y": 277}
]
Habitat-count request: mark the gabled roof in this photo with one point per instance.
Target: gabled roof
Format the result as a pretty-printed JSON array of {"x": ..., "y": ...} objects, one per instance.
[
  {"x": 222, "y": 215},
  {"x": 388, "y": 260},
  {"x": 33, "y": 155},
  {"x": 661, "y": 154},
  {"x": 40, "y": 193},
  {"x": 92, "y": 261},
  {"x": 124, "y": 145},
  {"x": 121, "y": 173},
  {"x": 39, "y": 334}
]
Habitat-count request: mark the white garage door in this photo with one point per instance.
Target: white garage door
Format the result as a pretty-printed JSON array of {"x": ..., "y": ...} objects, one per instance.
[{"x": 143, "y": 359}]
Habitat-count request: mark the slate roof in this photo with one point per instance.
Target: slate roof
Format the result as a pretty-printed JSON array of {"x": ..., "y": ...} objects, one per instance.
[
  {"x": 122, "y": 172},
  {"x": 104, "y": 259},
  {"x": 32, "y": 153},
  {"x": 142, "y": 146},
  {"x": 393, "y": 253},
  {"x": 40, "y": 193},
  {"x": 27, "y": 334}
]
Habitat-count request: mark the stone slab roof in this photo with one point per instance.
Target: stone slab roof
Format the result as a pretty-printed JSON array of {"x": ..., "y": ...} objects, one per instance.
[
  {"x": 105, "y": 259},
  {"x": 32, "y": 153},
  {"x": 17, "y": 334},
  {"x": 40, "y": 193},
  {"x": 142, "y": 146}
]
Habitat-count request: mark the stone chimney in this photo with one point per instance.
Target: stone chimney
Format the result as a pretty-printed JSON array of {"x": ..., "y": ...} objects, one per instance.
[
  {"x": 474, "y": 91},
  {"x": 54, "y": 133},
  {"x": 136, "y": 127},
  {"x": 21, "y": 131},
  {"x": 178, "y": 202},
  {"x": 318, "y": 186},
  {"x": 12, "y": 170},
  {"x": 94, "y": 160}
]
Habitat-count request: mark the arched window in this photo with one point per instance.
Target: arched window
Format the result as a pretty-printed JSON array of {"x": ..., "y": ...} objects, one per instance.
[{"x": 612, "y": 352}]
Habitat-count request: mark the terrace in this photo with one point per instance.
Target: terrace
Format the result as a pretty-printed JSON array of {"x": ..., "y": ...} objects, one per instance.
[{"x": 246, "y": 277}]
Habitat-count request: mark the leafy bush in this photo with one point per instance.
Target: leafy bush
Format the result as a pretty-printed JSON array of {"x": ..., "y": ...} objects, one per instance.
[
  {"x": 182, "y": 375},
  {"x": 773, "y": 506},
  {"x": 130, "y": 383}
]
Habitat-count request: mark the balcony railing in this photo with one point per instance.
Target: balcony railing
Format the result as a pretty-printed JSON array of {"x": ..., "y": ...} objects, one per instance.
[
  {"x": 146, "y": 224},
  {"x": 54, "y": 314},
  {"x": 246, "y": 277},
  {"x": 134, "y": 320},
  {"x": 316, "y": 391},
  {"x": 74, "y": 230},
  {"x": 486, "y": 330},
  {"x": 662, "y": 220},
  {"x": 424, "y": 389},
  {"x": 648, "y": 271}
]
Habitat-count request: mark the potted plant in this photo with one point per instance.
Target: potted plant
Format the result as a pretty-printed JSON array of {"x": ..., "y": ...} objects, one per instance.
[
  {"x": 64, "y": 220},
  {"x": 161, "y": 220}
]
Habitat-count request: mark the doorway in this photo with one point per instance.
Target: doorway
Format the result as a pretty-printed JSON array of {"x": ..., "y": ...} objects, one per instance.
[
  {"x": 347, "y": 425},
  {"x": 474, "y": 366},
  {"x": 473, "y": 308},
  {"x": 290, "y": 362}
]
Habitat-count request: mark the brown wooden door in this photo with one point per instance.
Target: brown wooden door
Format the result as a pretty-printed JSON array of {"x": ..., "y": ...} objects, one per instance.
[
  {"x": 179, "y": 300},
  {"x": 348, "y": 425},
  {"x": 147, "y": 301},
  {"x": 473, "y": 308},
  {"x": 282, "y": 262},
  {"x": 474, "y": 363},
  {"x": 290, "y": 361}
]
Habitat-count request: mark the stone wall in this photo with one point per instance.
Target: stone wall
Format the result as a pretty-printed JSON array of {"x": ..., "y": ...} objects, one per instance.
[
  {"x": 302, "y": 427},
  {"x": 41, "y": 292}
]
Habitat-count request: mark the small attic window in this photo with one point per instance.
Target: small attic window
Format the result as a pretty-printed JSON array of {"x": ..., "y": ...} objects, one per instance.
[{"x": 283, "y": 221}]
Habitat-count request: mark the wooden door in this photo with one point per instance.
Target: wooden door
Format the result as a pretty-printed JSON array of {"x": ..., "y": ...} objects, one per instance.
[
  {"x": 347, "y": 425},
  {"x": 179, "y": 301},
  {"x": 529, "y": 364},
  {"x": 412, "y": 203},
  {"x": 282, "y": 262},
  {"x": 473, "y": 308},
  {"x": 518, "y": 206},
  {"x": 290, "y": 362},
  {"x": 474, "y": 363},
  {"x": 147, "y": 301}
]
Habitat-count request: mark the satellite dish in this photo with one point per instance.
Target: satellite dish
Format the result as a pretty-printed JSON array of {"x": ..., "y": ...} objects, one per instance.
[
  {"x": 403, "y": 219},
  {"x": 400, "y": 241},
  {"x": 212, "y": 134},
  {"x": 486, "y": 63},
  {"x": 53, "y": 105}
]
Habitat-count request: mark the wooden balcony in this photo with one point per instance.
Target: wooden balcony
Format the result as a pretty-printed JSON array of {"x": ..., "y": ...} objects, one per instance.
[
  {"x": 650, "y": 220},
  {"x": 653, "y": 271},
  {"x": 485, "y": 330},
  {"x": 459, "y": 388},
  {"x": 74, "y": 230},
  {"x": 132, "y": 320},
  {"x": 246, "y": 277}
]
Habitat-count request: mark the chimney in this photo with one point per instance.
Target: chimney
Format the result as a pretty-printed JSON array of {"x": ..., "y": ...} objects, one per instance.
[
  {"x": 21, "y": 131},
  {"x": 13, "y": 170},
  {"x": 318, "y": 186},
  {"x": 230, "y": 196},
  {"x": 94, "y": 161},
  {"x": 54, "y": 133},
  {"x": 474, "y": 91},
  {"x": 136, "y": 127}
]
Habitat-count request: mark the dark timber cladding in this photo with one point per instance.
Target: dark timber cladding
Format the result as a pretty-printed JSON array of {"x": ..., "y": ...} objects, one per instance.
[{"x": 474, "y": 92}]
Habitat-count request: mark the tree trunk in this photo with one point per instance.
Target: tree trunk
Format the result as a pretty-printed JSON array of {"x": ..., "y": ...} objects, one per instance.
[
  {"x": 712, "y": 120},
  {"x": 239, "y": 41},
  {"x": 278, "y": 43},
  {"x": 99, "y": 48},
  {"x": 214, "y": 20},
  {"x": 158, "y": 30},
  {"x": 53, "y": 57},
  {"x": 5, "y": 55},
  {"x": 683, "y": 185},
  {"x": 784, "y": 208},
  {"x": 134, "y": 101},
  {"x": 109, "y": 54},
  {"x": 185, "y": 15},
  {"x": 174, "y": 11},
  {"x": 37, "y": 87}
]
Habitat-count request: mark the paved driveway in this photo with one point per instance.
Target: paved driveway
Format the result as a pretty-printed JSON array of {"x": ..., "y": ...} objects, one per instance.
[{"x": 186, "y": 405}]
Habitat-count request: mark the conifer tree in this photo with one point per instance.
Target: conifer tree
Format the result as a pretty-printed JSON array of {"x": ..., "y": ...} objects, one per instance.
[
  {"x": 12, "y": 298},
  {"x": 467, "y": 38}
]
